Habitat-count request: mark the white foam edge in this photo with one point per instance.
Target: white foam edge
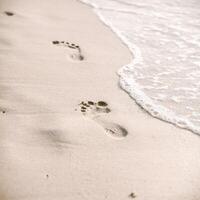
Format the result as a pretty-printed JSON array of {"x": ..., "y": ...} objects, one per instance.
[{"x": 133, "y": 89}]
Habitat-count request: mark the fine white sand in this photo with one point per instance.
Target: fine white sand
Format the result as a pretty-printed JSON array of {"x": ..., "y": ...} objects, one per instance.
[{"x": 49, "y": 149}]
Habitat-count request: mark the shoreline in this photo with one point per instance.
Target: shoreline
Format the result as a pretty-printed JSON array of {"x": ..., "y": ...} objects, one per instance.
[
  {"x": 133, "y": 90},
  {"x": 50, "y": 148}
]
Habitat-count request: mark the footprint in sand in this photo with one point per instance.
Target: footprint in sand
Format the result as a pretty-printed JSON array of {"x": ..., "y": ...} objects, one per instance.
[
  {"x": 95, "y": 111},
  {"x": 75, "y": 50}
]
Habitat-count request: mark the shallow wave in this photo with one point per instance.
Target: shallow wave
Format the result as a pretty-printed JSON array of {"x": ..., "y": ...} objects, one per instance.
[{"x": 163, "y": 76}]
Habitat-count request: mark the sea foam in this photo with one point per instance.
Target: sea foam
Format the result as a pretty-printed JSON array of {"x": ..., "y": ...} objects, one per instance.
[{"x": 164, "y": 39}]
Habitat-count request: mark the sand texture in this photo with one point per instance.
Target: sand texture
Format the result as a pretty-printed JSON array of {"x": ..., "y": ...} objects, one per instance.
[{"x": 67, "y": 130}]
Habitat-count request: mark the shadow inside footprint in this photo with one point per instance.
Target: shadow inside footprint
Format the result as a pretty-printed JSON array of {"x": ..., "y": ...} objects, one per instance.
[
  {"x": 114, "y": 130},
  {"x": 8, "y": 13},
  {"x": 3, "y": 110},
  {"x": 55, "y": 42},
  {"x": 77, "y": 56},
  {"x": 102, "y": 103},
  {"x": 132, "y": 195}
]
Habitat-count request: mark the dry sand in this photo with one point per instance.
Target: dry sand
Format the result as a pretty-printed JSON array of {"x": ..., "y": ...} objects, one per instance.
[{"x": 49, "y": 149}]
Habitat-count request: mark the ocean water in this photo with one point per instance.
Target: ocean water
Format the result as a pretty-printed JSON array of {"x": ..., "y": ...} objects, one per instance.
[{"x": 164, "y": 39}]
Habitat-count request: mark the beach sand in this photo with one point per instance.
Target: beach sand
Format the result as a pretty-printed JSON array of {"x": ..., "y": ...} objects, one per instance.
[{"x": 54, "y": 145}]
